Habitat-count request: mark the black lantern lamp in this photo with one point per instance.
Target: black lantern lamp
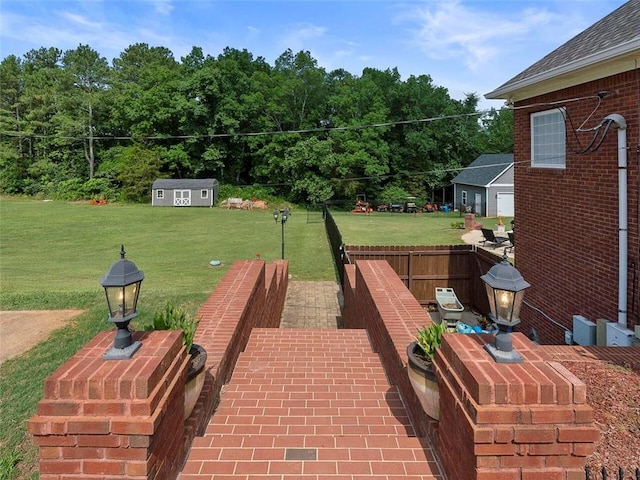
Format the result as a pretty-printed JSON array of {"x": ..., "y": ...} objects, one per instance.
[
  {"x": 505, "y": 289},
  {"x": 122, "y": 287},
  {"x": 284, "y": 215}
]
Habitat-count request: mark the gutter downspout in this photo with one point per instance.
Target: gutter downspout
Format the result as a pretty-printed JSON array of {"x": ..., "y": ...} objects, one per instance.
[{"x": 622, "y": 216}]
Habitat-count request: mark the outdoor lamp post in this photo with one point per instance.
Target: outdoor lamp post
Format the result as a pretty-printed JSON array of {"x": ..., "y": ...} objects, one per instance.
[
  {"x": 284, "y": 215},
  {"x": 122, "y": 287},
  {"x": 505, "y": 289}
]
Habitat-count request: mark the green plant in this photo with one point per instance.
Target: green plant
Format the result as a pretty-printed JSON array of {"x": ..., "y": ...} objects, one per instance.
[
  {"x": 172, "y": 318},
  {"x": 429, "y": 338},
  {"x": 457, "y": 225}
]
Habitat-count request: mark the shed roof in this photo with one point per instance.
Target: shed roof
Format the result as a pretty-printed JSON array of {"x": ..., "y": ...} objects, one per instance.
[
  {"x": 614, "y": 36},
  {"x": 186, "y": 183},
  {"x": 485, "y": 169}
]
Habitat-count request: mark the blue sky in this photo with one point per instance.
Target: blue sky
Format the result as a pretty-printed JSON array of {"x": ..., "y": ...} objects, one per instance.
[{"x": 465, "y": 46}]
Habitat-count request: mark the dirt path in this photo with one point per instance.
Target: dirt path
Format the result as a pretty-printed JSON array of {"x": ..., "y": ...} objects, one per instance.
[{"x": 21, "y": 330}]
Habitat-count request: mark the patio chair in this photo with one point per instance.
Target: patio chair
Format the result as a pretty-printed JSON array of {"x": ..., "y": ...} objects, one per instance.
[{"x": 491, "y": 239}]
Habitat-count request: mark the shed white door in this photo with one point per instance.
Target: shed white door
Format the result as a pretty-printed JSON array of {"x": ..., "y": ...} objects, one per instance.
[
  {"x": 505, "y": 204},
  {"x": 477, "y": 200},
  {"x": 182, "y": 198}
]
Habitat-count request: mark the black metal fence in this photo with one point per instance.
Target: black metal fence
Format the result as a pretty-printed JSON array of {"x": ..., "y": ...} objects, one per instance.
[
  {"x": 335, "y": 241},
  {"x": 603, "y": 474}
]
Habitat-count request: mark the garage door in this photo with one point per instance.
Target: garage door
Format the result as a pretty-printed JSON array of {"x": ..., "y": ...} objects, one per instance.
[{"x": 505, "y": 205}]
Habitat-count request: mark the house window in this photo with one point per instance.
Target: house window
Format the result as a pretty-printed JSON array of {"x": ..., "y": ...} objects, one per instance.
[
  {"x": 464, "y": 197},
  {"x": 159, "y": 193},
  {"x": 204, "y": 193},
  {"x": 548, "y": 139}
]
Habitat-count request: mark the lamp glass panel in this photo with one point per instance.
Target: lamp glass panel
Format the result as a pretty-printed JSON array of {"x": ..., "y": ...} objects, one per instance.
[
  {"x": 122, "y": 300},
  {"x": 115, "y": 299},
  {"x": 517, "y": 304},
  {"x": 130, "y": 298},
  {"x": 492, "y": 300},
  {"x": 504, "y": 304}
]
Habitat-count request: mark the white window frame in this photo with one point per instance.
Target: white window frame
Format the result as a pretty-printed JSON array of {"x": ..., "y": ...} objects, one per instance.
[
  {"x": 204, "y": 194},
  {"x": 160, "y": 193},
  {"x": 464, "y": 197},
  {"x": 549, "y": 139}
]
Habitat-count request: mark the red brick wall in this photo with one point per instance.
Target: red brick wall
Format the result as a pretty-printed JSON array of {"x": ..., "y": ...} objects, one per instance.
[
  {"x": 392, "y": 316},
  {"x": 106, "y": 419},
  {"x": 350, "y": 315},
  {"x": 567, "y": 220},
  {"x": 242, "y": 300}
]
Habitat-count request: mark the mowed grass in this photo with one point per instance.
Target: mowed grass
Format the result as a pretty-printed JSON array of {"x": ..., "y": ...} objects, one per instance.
[{"x": 386, "y": 228}]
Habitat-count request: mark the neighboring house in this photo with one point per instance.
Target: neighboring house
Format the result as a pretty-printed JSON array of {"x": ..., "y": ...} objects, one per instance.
[
  {"x": 576, "y": 155},
  {"x": 167, "y": 192},
  {"x": 485, "y": 187}
]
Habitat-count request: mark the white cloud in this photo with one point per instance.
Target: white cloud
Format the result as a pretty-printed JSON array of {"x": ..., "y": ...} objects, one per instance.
[
  {"x": 163, "y": 7},
  {"x": 301, "y": 37},
  {"x": 451, "y": 30}
]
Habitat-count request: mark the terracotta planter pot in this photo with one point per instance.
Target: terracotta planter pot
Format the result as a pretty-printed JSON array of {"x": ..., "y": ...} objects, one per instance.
[
  {"x": 423, "y": 381},
  {"x": 195, "y": 378}
]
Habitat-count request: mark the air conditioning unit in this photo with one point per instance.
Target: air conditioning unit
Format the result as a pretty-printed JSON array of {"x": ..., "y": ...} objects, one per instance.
[
  {"x": 584, "y": 331},
  {"x": 618, "y": 336}
]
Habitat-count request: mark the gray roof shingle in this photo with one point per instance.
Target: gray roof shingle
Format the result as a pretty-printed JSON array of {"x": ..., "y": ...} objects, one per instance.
[
  {"x": 185, "y": 183},
  {"x": 622, "y": 26},
  {"x": 484, "y": 169}
]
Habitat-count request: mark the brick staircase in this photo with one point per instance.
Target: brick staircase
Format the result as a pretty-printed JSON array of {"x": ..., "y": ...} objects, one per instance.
[{"x": 310, "y": 404}]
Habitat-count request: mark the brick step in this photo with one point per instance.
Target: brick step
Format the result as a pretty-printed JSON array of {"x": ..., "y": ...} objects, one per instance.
[{"x": 310, "y": 404}]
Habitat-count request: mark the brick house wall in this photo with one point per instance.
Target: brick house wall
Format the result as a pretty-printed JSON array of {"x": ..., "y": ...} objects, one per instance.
[{"x": 567, "y": 225}]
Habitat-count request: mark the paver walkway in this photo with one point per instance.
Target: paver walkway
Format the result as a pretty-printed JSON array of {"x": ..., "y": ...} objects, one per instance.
[
  {"x": 310, "y": 401},
  {"x": 310, "y": 404},
  {"x": 312, "y": 305}
]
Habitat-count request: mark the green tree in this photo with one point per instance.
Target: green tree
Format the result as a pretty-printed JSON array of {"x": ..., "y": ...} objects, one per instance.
[
  {"x": 132, "y": 169},
  {"x": 89, "y": 73},
  {"x": 497, "y": 131},
  {"x": 13, "y": 161}
]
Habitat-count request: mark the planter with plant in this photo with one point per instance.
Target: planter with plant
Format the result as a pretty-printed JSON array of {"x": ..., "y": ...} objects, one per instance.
[
  {"x": 420, "y": 355},
  {"x": 172, "y": 318}
]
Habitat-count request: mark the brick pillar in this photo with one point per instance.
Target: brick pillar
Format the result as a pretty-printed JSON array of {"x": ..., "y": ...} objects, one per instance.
[
  {"x": 527, "y": 421},
  {"x": 104, "y": 419},
  {"x": 469, "y": 221}
]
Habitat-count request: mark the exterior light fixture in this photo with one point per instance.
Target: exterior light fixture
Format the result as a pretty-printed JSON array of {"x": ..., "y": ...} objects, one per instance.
[
  {"x": 122, "y": 287},
  {"x": 505, "y": 290},
  {"x": 283, "y": 215}
]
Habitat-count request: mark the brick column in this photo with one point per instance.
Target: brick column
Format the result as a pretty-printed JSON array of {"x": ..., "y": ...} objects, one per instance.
[
  {"x": 469, "y": 221},
  {"x": 527, "y": 421},
  {"x": 118, "y": 418}
]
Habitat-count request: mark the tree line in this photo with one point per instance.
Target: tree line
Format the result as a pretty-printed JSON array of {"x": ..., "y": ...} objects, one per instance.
[{"x": 73, "y": 126}]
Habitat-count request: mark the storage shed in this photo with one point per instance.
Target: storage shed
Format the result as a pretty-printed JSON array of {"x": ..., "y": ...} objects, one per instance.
[
  {"x": 485, "y": 187},
  {"x": 167, "y": 192}
]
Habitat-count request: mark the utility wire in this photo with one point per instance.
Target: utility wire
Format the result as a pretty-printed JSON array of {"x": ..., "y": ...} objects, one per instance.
[{"x": 300, "y": 131}]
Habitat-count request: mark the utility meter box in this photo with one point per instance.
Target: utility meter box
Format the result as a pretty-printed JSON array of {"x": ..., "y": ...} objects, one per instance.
[
  {"x": 584, "y": 331},
  {"x": 618, "y": 336}
]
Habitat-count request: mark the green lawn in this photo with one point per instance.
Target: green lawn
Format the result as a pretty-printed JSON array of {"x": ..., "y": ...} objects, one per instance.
[
  {"x": 400, "y": 228},
  {"x": 52, "y": 255}
]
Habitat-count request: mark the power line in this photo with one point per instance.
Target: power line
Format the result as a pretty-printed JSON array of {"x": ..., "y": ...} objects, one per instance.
[{"x": 300, "y": 131}]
